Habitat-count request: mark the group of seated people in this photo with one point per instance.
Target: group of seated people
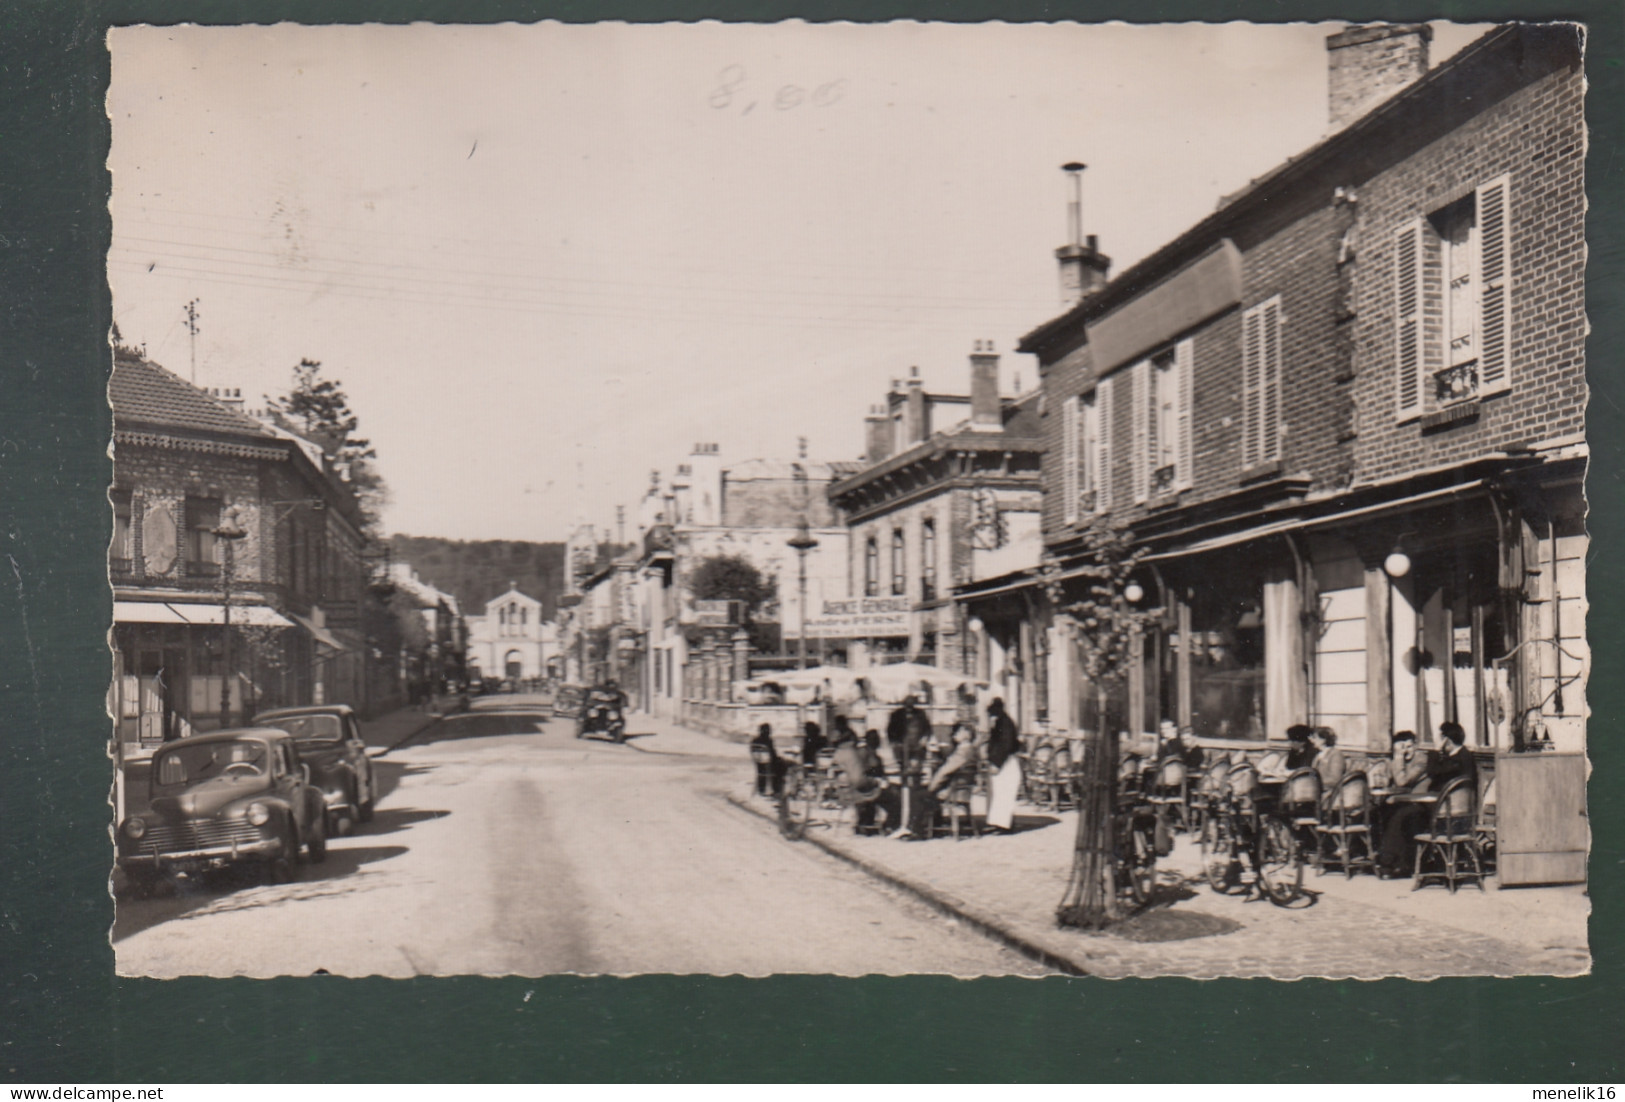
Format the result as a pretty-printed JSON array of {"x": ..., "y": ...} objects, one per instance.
[
  {"x": 1406, "y": 771},
  {"x": 908, "y": 789}
]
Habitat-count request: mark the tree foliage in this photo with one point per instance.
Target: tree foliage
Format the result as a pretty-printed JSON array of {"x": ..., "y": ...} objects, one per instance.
[
  {"x": 732, "y": 578},
  {"x": 317, "y": 409}
]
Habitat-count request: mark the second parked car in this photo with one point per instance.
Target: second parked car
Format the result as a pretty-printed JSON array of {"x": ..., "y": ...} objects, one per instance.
[{"x": 329, "y": 741}]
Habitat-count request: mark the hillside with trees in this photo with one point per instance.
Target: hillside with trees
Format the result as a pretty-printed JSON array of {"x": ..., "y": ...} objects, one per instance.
[{"x": 474, "y": 571}]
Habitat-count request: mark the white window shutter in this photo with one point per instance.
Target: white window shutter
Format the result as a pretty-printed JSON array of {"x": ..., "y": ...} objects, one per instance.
[
  {"x": 1407, "y": 319},
  {"x": 1269, "y": 425},
  {"x": 1184, "y": 368},
  {"x": 1495, "y": 285},
  {"x": 1069, "y": 460},
  {"x": 1139, "y": 457},
  {"x": 1252, "y": 355},
  {"x": 1104, "y": 399}
]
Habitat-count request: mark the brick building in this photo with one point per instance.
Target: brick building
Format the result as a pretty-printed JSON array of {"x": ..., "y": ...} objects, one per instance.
[
  {"x": 949, "y": 495},
  {"x": 1344, "y": 414},
  {"x": 221, "y": 520}
]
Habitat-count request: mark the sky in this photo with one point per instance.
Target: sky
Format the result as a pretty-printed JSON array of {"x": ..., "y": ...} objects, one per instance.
[{"x": 544, "y": 260}]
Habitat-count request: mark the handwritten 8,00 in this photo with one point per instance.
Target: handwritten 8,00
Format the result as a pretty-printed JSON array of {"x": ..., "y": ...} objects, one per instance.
[{"x": 733, "y": 90}]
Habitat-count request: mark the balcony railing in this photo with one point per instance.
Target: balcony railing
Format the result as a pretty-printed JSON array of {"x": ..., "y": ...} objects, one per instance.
[{"x": 1162, "y": 479}]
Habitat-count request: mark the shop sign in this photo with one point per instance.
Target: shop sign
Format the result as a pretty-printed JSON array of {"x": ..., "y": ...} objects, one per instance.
[{"x": 861, "y": 618}]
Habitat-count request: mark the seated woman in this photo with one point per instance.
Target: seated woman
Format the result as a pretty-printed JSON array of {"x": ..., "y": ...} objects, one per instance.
[
  {"x": 1329, "y": 762},
  {"x": 1301, "y": 752}
]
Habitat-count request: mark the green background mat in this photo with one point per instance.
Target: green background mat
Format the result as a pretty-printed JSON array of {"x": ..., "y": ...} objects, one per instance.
[{"x": 67, "y": 1019}]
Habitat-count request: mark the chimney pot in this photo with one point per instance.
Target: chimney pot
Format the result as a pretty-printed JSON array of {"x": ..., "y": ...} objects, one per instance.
[{"x": 986, "y": 411}]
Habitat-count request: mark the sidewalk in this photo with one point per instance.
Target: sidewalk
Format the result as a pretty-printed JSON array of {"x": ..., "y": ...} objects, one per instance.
[
  {"x": 1359, "y": 928},
  {"x": 391, "y": 729}
]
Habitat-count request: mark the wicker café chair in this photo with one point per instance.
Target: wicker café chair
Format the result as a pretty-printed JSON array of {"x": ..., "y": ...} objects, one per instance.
[
  {"x": 1170, "y": 791},
  {"x": 1300, "y": 804},
  {"x": 1347, "y": 820},
  {"x": 1451, "y": 839}
]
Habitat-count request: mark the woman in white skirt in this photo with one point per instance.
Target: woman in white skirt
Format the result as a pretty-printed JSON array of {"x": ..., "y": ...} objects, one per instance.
[{"x": 1003, "y": 742}]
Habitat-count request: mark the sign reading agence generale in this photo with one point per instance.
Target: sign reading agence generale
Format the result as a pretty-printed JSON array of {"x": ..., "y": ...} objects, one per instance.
[{"x": 860, "y": 618}]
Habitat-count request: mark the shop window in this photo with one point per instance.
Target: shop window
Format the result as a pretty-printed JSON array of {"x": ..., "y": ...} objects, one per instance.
[
  {"x": 1449, "y": 661},
  {"x": 202, "y": 518},
  {"x": 1227, "y": 657}
]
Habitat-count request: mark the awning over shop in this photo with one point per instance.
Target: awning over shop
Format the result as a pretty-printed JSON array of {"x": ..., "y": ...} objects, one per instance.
[
  {"x": 182, "y": 612},
  {"x": 319, "y": 633}
]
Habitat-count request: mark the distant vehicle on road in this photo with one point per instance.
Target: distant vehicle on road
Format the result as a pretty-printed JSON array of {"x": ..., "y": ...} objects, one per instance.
[
  {"x": 567, "y": 701},
  {"x": 603, "y": 712},
  {"x": 329, "y": 741},
  {"x": 224, "y": 799}
]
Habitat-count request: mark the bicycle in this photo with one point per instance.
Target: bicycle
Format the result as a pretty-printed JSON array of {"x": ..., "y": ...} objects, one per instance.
[{"x": 1246, "y": 844}]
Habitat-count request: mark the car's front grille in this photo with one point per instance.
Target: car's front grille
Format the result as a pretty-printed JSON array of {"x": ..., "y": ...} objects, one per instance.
[{"x": 181, "y": 837}]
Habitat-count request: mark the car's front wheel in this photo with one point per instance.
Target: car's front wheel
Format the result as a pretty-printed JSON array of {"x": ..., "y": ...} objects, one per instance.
[
  {"x": 317, "y": 844},
  {"x": 282, "y": 868},
  {"x": 363, "y": 810}
]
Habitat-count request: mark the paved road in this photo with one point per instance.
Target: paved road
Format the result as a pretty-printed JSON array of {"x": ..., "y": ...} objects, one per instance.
[{"x": 506, "y": 846}]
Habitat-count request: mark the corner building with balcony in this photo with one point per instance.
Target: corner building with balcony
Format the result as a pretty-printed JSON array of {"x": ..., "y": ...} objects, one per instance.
[{"x": 1344, "y": 417}]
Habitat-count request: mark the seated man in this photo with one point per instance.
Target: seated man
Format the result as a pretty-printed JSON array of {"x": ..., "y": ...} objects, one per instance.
[
  {"x": 924, "y": 800},
  {"x": 1300, "y": 752},
  {"x": 1413, "y": 774}
]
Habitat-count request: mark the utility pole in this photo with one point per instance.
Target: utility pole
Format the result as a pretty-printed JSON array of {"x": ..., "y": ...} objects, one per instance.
[{"x": 191, "y": 327}]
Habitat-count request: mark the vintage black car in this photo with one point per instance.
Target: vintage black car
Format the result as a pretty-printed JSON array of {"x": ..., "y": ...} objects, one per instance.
[
  {"x": 222, "y": 799},
  {"x": 329, "y": 741}
]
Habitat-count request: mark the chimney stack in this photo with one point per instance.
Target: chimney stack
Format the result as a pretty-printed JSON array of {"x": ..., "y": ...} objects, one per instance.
[
  {"x": 1369, "y": 64},
  {"x": 916, "y": 418},
  {"x": 1083, "y": 268},
  {"x": 986, "y": 411},
  {"x": 877, "y": 435}
]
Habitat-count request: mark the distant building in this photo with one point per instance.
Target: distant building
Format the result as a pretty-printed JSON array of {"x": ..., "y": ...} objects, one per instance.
[
  {"x": 220, "y": 520},
  {"x": 509, "y": 639},
  {"x": 948, "y": 496}
]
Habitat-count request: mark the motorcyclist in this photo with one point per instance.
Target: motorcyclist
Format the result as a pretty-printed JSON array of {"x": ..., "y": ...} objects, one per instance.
[{"x": 607, "y": 700}]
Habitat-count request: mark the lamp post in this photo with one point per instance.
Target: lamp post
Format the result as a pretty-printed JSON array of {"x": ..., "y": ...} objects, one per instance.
[
  {"x": 802, "y": 542},
  {"x": 229, "y": 531}
]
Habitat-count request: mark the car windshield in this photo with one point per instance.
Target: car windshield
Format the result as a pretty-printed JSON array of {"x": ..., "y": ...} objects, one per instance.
[
  {"x": 308, "y": 730},
  {"x": 191, "y": 764}
]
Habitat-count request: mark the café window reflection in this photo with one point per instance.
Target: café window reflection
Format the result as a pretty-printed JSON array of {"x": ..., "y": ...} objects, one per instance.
[{"x": 1227, "y": 657}]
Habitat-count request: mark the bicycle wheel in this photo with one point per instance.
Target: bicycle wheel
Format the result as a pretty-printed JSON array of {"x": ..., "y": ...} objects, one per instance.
[
  {"x": 793, "y": 804},
  {"x": 1139, "y": 869},
  {"x": 1218, "y": 846},
  {"x": 1281, "y": 865}
]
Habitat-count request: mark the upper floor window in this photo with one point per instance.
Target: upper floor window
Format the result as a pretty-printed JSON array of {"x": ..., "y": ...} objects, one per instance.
[
  {"x": 928, "y": 561},
  {"x": 122, "y": 549},
  {"x": 1261, "y": 384},
  {"x": 1162, "y": 429},
  {"x": 202, "y": 518},
  {"x": 871, "y": 568},
  {"x": 899, "y": 565},
  {"x": 1451, "y": 302},
  {"x": 1086, "y": 448}
]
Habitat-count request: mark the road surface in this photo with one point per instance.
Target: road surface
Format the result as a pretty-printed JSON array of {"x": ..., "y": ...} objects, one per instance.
[{"x": 504, "y": 846}]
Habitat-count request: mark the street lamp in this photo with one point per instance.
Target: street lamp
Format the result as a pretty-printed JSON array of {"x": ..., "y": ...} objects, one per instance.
[
  {"x": 230, "y": 531},
  {"x": 802, "y": 542}
]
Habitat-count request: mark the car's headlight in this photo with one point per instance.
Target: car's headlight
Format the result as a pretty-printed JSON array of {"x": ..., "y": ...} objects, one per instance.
[
  {"x": 135, "y": 828},
  {"x": 259, "y": 814}
]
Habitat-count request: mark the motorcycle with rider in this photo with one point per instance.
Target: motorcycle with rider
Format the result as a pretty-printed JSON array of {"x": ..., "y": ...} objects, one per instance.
[{"x": 603, "y": 712}]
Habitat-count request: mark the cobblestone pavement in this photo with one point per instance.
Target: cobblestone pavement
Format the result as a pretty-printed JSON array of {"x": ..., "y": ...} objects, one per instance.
[{"x": 1360, "y": 928}]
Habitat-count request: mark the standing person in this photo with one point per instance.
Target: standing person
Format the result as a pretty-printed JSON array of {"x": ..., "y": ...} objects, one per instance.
[
  {"x": 1003, "y": 742},
  {"x": 812, "y": 742},
  {"x": 769, "y": 777}
]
